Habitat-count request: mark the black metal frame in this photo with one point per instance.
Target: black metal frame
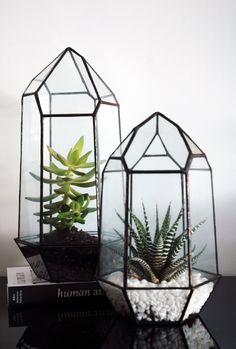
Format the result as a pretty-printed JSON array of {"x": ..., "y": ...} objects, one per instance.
[
  {"x": 184, "y": 180},
  {"x": 98, "y": 100}
]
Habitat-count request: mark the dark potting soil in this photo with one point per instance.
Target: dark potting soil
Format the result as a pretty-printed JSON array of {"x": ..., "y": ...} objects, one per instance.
[
  {"x": 65, "y": 256},
  {"x": 74, "y": 237}
]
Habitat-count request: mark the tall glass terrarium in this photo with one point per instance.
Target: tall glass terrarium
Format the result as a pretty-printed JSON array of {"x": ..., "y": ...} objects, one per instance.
[
  {"x": 70, "y": 124},
  {"x": 158, "y": 254}
]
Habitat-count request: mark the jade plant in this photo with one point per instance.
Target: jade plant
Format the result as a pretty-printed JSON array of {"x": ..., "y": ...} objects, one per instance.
[
  {"x": 156, "y": 259},
  {"x": 65, "y": 205}
]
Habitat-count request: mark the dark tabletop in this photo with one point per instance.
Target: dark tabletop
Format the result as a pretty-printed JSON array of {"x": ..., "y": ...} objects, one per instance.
[{"x": 90, "y": 329}]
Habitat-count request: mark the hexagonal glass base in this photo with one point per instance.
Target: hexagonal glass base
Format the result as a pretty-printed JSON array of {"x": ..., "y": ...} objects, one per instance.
[{"x": 157, "y": 303}]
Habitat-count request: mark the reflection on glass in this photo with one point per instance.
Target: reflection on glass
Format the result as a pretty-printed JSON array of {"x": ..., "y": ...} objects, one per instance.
[{"x": 191, "y": 335}]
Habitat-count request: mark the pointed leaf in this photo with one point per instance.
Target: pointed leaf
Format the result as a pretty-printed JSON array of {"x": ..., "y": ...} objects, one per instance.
[
  {"x": 54, "y": 205},
  {"x": 45, "y": 180},
  {"x": 156, "y": 255},
  {"x": 86, "y": 177},
  {"x": 135, "y": 236},
  {"x": 51, "y": 221},
  {"x": 143, "y": 268},
  {"x": 166, "y": 223},
  {"x": 83, "y": 159},
  {"x": 45, "y": 213},
  {"x": 75, "y": 192},
  {"x": 169, "y": 238},
  {"x": 84, "y": 185},
  {"x": 44, "y": 199},
  {"x": 146, "y": 242},
  {"x": 69, "y": 154},
  {"x": 57, "y": 156},
  {"x": 86, "y": 165},
  {"x": 157, "y": 231},
  {"x": 89, "y": 210},
  {"x": 74, "y": 157},
  {"x": 78, "y": 173},
  {"x": 79, "y": 145},
  {"x": 54, "y": 169}
]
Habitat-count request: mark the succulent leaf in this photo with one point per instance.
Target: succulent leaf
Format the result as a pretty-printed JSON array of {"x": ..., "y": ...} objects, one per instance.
[
  {"x": 157, "y": 231},
  {"x": 84, "y": 178},
  {"x": 84, "y": 185},
  {"x": 79, "y": 145},
  {"x": 86, "y": 165},
  {"x": 166, "y": 223},
  {"x": 55, "y": 170},
  {"x": 45, "y": 180},
  {"x": 44, "y": 199}
]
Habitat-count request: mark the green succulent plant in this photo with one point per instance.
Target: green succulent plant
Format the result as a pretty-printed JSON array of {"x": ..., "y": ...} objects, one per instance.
[
  {"x": 66, "y": 206},
  {"x": 155, "y": 259}
]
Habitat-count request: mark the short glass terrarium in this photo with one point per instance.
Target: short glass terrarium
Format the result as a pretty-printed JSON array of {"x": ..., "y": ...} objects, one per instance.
[
  {"x": 158, "y": 254},
  {"x": 70, "y": 124}
]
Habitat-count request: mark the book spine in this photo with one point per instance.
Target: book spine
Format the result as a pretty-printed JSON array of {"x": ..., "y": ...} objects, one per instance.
[{"x": 74, "y": 293}]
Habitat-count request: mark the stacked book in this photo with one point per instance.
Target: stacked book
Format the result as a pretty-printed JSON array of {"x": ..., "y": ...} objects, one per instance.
[{"x": 25, "y": 289}]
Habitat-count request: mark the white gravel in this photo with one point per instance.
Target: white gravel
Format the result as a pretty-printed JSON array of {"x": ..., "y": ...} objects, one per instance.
[{"x": 162, "y": 305}]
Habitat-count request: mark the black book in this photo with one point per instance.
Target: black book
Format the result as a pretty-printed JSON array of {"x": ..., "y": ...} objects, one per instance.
[{"x": 25, "y": 289}]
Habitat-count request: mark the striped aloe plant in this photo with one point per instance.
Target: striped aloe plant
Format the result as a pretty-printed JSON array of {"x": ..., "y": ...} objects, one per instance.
[{"x": 156, "y": 259}]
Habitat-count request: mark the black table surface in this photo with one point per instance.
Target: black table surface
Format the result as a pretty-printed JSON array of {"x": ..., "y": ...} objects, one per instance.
[{"x": 219, "y": 316}]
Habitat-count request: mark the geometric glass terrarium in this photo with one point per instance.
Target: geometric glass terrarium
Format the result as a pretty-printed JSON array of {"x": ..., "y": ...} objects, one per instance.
[
  {"x": 158, "y": 253},
  {"x": 70, "y": 124}
]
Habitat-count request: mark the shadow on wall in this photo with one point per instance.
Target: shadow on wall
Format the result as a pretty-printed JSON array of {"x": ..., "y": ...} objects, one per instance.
[
  {"x": 9, "y": 178},
  {"x": 226, "y": 235}
]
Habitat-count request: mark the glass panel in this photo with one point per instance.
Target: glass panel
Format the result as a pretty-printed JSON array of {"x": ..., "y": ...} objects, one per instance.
[
  {"x": 173, "y": 141},
  {"x": 156, "y": 163},
  {"x": 201, "y": 208},
  {"x": 30, "y": 188},
  {"x": 158, "y": 305},
  {"x": 70, "y": 103},
  {"x": 120, "y": 150},
  {"x": 156, "y": 147},
  {"x": 45, "y": 100},
  {"x": 157, "y": 192},
  {"x": 65, "y": 77},
  {"x": 199, "y": 163},
  {"x": 112, "y": 228},
  {"x": 103, "y": 90},
  {"x": 68, "y": 89},
  {"x": 84, "y": 75},
  {"x": 198, "y": 299},
  {"x": 197, "y": 336},
  {"x": 36, "y": 82},
  {"x": 62, "y": 133},
  {"x": 108, "y": 131},
  {"x": 140, "y": 143},
  {"x": 193, "y": 147},
  {"x": 117, "y": 298},
  {"x": 109, "y": 99}
]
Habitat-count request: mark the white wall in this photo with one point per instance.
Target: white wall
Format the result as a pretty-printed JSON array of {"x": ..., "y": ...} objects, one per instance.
[{"x": 174, "y": 56}]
